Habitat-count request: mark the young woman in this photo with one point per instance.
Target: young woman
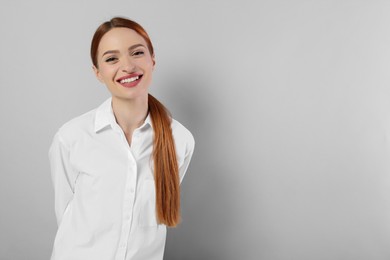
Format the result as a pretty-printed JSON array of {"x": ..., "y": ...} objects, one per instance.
[{"x": 116, "y": 169}]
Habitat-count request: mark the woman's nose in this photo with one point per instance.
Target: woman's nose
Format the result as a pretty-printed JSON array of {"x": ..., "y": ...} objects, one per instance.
[{"x": 128, "y": 65}]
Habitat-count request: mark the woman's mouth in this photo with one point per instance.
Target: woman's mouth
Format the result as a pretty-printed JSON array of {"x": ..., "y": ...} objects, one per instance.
[{"x": 130, "y": 81}]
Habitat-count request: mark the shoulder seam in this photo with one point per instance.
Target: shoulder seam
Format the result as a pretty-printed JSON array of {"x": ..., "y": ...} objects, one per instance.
[{"x": 61, "y": 140}]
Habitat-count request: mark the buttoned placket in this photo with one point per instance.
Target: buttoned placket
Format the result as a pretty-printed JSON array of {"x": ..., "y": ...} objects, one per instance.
[{"x": 129, "y": 194}]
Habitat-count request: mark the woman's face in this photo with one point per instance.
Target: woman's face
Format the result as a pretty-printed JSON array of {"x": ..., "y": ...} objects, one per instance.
[{"x": 125, "y": 64}]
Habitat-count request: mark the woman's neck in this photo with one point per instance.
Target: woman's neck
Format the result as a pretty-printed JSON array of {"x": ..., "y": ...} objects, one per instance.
[{"x": 130, "y": 114}]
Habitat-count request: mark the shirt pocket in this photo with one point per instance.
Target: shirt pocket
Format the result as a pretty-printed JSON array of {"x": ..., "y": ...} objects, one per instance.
[{"x": 147, "y": 214}]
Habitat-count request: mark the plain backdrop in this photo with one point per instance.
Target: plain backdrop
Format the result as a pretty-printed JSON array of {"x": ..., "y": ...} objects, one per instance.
[{"x": 289, "y": 103}]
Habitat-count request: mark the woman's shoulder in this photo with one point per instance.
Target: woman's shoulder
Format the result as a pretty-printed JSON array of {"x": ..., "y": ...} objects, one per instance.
[
  {"x": 78, "y": 126},
  {"x": 181, "y": 134}
]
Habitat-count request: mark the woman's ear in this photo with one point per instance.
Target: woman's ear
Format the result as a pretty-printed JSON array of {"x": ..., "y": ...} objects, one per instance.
[
  {"x": 154, "y": 61},
  {"x": 97, "y": 73}
]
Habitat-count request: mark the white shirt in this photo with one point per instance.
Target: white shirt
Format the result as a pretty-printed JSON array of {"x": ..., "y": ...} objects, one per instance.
[{"x": 104, "y": 188}]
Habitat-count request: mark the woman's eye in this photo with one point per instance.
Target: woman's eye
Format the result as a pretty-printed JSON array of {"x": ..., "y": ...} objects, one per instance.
[
  {"x": 110, "y": 59},
  {"x": 138, "y": 53}
]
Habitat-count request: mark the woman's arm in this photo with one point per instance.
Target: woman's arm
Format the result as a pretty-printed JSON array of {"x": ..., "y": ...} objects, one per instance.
[
  {"x": 63, "y": 176},
  {"x": 190, "y": 145}
]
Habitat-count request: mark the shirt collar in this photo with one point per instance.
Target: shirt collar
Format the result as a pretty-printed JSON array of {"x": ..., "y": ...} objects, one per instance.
[{"x": 105, "y": 116}]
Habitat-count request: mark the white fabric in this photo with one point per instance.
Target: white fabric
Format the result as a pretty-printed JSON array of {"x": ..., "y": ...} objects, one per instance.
[{"x": 104, "y": 188}]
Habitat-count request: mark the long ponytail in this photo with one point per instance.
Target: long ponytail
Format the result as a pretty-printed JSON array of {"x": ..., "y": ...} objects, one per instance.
[{"x": 166, "y": 169}]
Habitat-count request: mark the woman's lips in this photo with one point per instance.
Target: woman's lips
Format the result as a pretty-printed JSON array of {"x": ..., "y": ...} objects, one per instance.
[{"x": 130, "y": 81}]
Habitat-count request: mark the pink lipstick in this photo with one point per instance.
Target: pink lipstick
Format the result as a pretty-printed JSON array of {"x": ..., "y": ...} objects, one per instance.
[{"x": 130, "y": 80}]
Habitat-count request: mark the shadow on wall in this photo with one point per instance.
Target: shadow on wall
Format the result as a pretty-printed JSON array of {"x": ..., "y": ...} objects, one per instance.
[{"x": 206, "y": 196}]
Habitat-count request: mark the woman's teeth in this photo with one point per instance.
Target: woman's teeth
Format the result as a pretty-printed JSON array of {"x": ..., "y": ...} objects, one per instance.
[{"x": 128, "y": 80}]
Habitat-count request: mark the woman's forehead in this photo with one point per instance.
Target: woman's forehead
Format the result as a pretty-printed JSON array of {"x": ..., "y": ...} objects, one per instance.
[{"x": 120, "y": 37}]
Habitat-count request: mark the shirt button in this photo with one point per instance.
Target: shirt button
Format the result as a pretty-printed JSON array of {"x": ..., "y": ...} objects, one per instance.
[{"x": 132, "y": 190}]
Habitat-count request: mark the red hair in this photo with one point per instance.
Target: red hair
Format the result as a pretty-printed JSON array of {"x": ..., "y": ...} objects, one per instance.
[{"x": 166, "y": 169}]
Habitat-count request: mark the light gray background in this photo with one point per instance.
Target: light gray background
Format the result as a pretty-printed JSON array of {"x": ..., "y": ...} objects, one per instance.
[{"x": 289, "y": 102}]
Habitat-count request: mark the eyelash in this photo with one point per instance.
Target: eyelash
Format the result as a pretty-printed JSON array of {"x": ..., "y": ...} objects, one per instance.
[
  {"x": 110, "y": 59},
  {"x": 136, "y": 53}
]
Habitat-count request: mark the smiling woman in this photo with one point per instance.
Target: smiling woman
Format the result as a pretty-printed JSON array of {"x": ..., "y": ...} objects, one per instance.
[
  {"x": 117, "y": 169},
  {"x": 124, "y": 62}
]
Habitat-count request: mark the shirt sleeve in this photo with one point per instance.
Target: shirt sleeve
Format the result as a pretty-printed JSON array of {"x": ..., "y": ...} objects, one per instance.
[
  {"x": 63, "y": 176},
  {"x": 187, "y": 158}
]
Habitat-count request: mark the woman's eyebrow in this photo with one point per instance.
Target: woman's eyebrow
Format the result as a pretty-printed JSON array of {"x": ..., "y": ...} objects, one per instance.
[
  {"x": 130, "y": 48},
  {"x": 135, "y": 46}
]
